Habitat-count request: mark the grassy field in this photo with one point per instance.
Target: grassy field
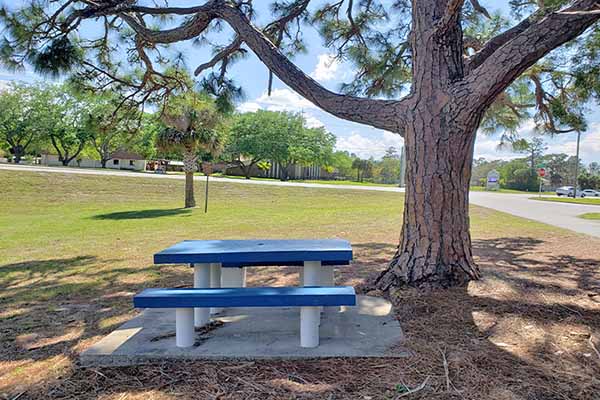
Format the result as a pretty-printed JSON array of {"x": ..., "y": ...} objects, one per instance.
[
  {"x": 585, "y": 200},
  {"x": 75, "y": 248},
  {"x": 593, "y": 216}
]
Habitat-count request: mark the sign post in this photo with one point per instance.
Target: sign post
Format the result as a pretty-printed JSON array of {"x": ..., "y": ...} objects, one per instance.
[{"x": 541, "y": 173}]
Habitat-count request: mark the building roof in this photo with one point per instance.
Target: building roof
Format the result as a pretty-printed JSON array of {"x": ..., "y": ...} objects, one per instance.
[{"x": 126, "y": 155}]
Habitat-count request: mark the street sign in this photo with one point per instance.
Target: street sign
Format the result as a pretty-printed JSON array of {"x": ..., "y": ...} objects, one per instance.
[{"x": 541, "y": 172}]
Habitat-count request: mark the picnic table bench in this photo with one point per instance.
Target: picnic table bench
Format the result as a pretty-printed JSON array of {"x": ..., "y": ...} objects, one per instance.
[
  {"x": 309, "y": 299},
  {"x": 222, "y": 263},
  {"x": 219, "y": 280}
]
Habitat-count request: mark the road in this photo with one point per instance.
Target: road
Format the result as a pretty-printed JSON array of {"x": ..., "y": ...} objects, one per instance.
[{"x": 563, "y": 215}]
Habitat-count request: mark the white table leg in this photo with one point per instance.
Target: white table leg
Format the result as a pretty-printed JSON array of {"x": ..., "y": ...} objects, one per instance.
[
  {"x": 215, "y": 282},
  {"x": 309, "y": 326},
  {"x": 201, "y": 280},
  {"x": 327, "y": 277},
  {"x": 233, "y": 277},
  {"x": 312, "y": 273},
  {"x": 184, "y": 327}
]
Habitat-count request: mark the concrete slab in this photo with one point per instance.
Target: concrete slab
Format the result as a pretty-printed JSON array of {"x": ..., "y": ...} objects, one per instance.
[{"x": 366, "y": 330}]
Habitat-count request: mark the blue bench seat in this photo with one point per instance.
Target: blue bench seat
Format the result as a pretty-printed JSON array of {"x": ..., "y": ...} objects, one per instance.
[
  {"x": 246, "y": 297},
  {"x": 309, "y": 299}
]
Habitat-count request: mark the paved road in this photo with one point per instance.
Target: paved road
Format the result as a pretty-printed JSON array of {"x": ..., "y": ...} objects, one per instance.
[{"x": 563, "y": 215}]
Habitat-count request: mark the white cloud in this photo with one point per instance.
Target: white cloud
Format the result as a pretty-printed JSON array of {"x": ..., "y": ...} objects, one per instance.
[
  {"x": 366, "y": 147},
  {"x": 313, "y": 122},
  {"x": 327, "y": 68},
  {"x": 249, "y": 106}
]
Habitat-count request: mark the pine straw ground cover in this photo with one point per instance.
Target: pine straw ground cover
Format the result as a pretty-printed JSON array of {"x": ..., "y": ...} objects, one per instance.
[{"x": 75, "y": 249}]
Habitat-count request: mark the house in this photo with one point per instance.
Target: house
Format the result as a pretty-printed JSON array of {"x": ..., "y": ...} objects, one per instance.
[{"x": 120, "y": 159}]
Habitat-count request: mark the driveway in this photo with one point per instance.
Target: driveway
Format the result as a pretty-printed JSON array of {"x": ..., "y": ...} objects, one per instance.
[{"x": 563, "y": 215}]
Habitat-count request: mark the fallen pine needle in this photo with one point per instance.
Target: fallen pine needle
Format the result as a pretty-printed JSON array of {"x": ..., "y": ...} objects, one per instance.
[{"x": 415, "y": 390}]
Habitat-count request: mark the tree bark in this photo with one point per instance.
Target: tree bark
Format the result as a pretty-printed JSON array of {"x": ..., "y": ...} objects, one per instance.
[
  {"x": 189, "y": 167},
  {"x": 435, "y": 243}
]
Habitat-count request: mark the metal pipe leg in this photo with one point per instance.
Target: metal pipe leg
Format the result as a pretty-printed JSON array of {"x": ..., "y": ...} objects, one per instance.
[
  {"x": 184, "y": 327},
  {"x": 312, "y": 273},
  {"x": 201, "y": 280},
  {"x": 233, "y": 277},
  {"x": 309, "y": 326},
  {"x": 215, "y": 282}
]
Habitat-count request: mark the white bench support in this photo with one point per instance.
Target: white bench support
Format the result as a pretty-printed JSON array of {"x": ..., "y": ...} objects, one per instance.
[
  {"x": 233, "y": 277},
  {"x": 201, "y": 281},
  {"x": 184, "y": 327},
  {"x": 215, "y": 282},
  {"x": 312, "y": 273},
  {"x": 310, "y": 319}
]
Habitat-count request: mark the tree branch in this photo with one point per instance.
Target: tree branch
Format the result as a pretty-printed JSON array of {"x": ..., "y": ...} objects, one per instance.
[
  {"x": 524, "y": 49},
  {"x": 383, "y": 114}
]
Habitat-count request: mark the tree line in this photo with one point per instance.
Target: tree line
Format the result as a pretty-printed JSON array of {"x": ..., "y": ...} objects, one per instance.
[{"x": 76, "y": 124}]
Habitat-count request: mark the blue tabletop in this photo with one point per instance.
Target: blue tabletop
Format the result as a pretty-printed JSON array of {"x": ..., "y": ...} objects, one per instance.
[{"x": 233, "y": 253}]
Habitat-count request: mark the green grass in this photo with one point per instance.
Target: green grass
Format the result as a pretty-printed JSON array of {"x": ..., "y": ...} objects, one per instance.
[
  {"x": 70, "y": 241},
  {"x": 593, "y": 216},
  {"x": 482, "y": 189},
  {"x": 585, "y": 200}
]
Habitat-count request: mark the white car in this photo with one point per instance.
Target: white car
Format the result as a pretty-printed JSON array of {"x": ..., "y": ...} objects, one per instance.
[
  {"x": 590, "y": 193},
  {"x": 568, "y": 191}
]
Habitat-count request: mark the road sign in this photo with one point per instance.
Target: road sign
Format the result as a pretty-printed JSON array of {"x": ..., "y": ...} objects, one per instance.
[{"x": 541, "y": 172}]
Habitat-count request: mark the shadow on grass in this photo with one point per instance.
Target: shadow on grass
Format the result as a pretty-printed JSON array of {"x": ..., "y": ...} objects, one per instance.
[{"x": 143, "y": 214}]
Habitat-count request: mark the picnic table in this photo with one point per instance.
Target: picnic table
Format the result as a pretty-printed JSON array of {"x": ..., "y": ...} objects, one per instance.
[{"x": 222, "y": 263}]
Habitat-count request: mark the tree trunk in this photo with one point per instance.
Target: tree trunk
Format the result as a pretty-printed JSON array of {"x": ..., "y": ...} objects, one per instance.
[
  {"x": 435, "y": 244},
  {"x": 103, "y": 163},
  {"x": 189, "y": 167},
  {"x": 18, "y": 152}
]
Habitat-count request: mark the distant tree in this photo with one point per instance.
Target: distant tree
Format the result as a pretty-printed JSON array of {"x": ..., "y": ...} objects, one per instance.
[
  {"x": 191, "y": 121},
  {"x": 341, "y": 161},
  {"x": 111, "y": 123},
  {"x": 534, "y": 148},
  {"x": 389, "y": 166},
  {"x": 364, "y": 169},
  {"x": 250, "y": 138},
  {"x": 594, "y": 168},
  {"x": 64, "y": 122},
  {"x": 517, "y": 174},
  {"x": 589, "y": 181},
  {"x": 291, "y": 142},
  {"x": 20, "y": 108}
]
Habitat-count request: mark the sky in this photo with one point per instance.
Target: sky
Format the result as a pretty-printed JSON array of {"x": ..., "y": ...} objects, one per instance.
[{"x": 362, "y": 140}]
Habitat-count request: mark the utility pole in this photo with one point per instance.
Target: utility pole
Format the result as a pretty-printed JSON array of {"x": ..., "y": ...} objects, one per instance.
[
  {"x": 577, "y": 165},
  {"x": 402, "y": 166}
]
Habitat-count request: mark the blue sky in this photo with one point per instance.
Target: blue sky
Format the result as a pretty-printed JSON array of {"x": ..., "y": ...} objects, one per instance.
[{"x": 362, "y": 140}]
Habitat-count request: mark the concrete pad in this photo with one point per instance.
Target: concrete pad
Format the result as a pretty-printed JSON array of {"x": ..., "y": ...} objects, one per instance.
[{"x": 366, "y": 330}]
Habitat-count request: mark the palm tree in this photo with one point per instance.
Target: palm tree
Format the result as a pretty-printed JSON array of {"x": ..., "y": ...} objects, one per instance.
[{"x": 190, "y": 127}]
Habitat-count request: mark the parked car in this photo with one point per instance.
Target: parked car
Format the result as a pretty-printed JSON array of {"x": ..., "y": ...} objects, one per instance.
[
  {"x": 591, "y": 193},
  {"x": 568, "y": 191}
]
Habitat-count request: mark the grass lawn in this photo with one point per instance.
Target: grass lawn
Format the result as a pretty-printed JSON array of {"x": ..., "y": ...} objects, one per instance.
[
  {"x": 75, "y": 248},
  {"x": 593, "y": 216},
  {"x": 585, "y": 200},
  {"x": 482, "y": 189}
]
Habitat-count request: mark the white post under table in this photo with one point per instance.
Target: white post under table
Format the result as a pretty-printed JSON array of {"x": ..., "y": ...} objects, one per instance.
[
  {"x": 215, "y": 282},
  {"x": 201, "y": 280}
]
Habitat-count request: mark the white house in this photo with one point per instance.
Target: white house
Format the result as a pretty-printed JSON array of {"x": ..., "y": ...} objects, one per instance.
[{"x": 120, "y": 159}]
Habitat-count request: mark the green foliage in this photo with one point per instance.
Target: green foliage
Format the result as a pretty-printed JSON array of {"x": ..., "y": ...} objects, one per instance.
[
  {"x": 21, "y": 109},
  {"x": 588, "y": 181},
  {"x": 57, "y": 58},
  {"x": 517, "y": 175},
  {"x": 280, "y": 137},
  {"x": 191, "y": 121}
]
